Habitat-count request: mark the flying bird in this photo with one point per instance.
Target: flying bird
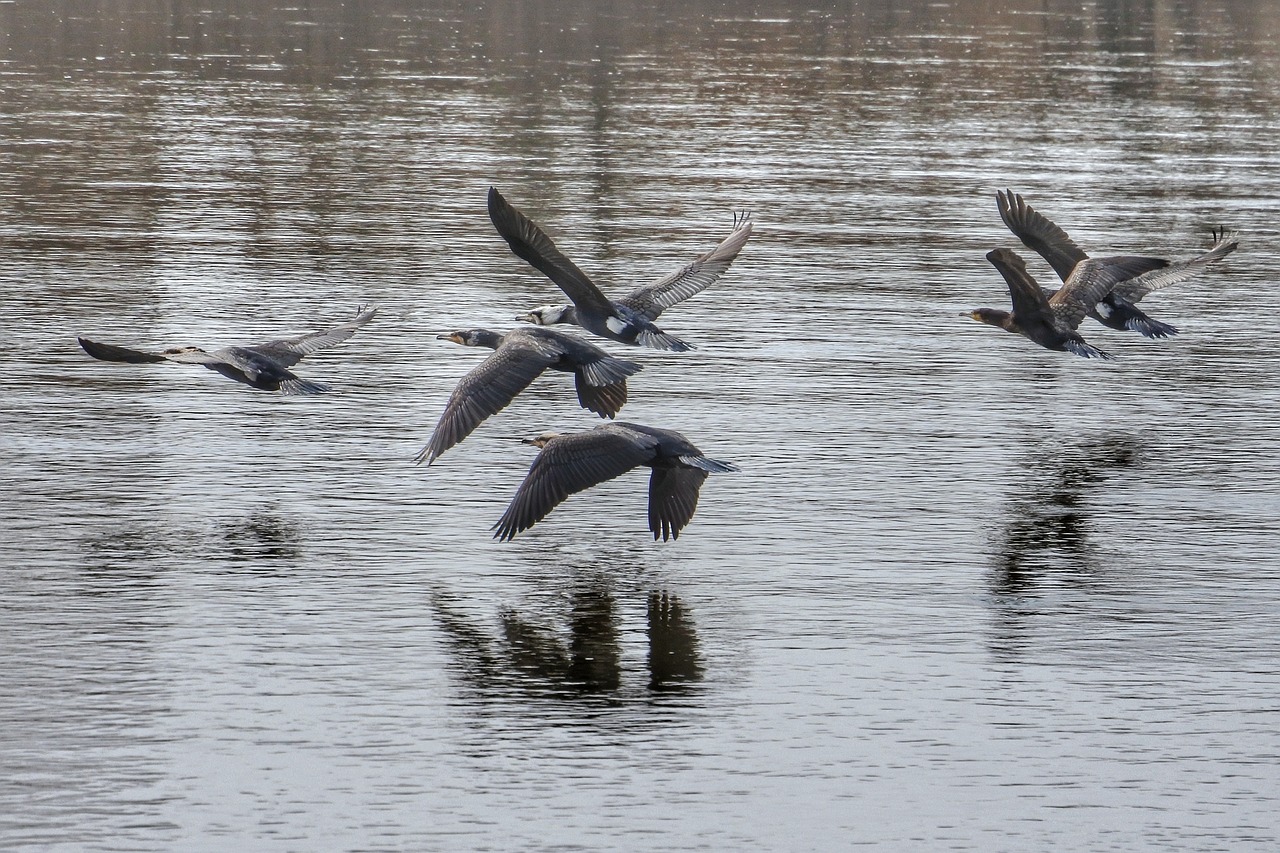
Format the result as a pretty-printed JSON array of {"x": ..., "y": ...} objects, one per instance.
[
  {"x": 1051, "y": 321},
  {"x": 1117, "y": 309},
  {"x": 628, "y": 320},
  {"x": 573, "y": 462},
  {"x": 520, "y": 356},
  {"x": 263, "y": 366}
]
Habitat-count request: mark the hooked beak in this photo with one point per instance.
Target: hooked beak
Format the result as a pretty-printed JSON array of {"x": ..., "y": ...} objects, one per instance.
[{"x": 453, "y": 336}]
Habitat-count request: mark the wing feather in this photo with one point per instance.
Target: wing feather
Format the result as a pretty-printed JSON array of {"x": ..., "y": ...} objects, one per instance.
[
  {"x": 673, "y": 497},
  {"x": 1039, "y": 233},
  {"x": 567, "y": 465},
  {"x": 1029, "y": 301},
  {"x": 605, "y": 400},
  {"x": 652, "y": 299},
  {"x": 1135, "y": 288},
  {"x": 289, "y": 351},
  {"x": 530, "y": 243},
  {"x": 110, "y": 352},
  {"x": 1094, "y": 278},
  {"x": 483, "y": 392}
]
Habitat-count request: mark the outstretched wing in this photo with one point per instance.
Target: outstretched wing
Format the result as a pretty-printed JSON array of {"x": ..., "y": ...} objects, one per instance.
[
  {"x": 1135, "y": 288},
  {"x": 486, "y": 390},
  {"x": 652, "y": 299},
  {"x": 1094, "y": 278},
  {"x": 1029, "y": 302},
  {"x": 605, "y": 400},
  {"x": 110, "y": 352},
  {"x": 1039, "y": 233},
  {"x": 529, "y": 242},
  {"x": 673, "y": 496},
  {"x": 289, "y": 351},
  {"x": 569, "y": 464}
]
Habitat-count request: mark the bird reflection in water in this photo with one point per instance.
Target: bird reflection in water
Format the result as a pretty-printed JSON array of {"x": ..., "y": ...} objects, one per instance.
[
  {"x": 591, "y": 659},
  {"x": 587, "y": 660},
  {"x": 1047, "y": 531},
  {"x": 263, "y": 534},
  {"x": 674, "y": 661}
]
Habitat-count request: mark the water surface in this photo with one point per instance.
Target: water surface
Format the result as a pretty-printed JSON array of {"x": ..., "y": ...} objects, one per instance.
[{"x": 964, "y": 594}]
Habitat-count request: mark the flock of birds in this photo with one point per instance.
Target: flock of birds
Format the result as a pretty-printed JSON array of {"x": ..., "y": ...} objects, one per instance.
[
  {"x": 567, "y": 463},
  {"x": 1106, "y": 289}
]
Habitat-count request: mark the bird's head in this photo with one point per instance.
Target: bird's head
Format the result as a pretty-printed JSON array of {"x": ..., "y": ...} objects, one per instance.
[
  {"x": 546, "y": 315},
  {"x": 472, "y": 338},
  {"x": 540, "y": 440},
  {"x": 990, "y": 316}
]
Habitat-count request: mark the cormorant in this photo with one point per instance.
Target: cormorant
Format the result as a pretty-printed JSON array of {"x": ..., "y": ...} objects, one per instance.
[
  {"x": 572, "y": 462},
  {"x": 263, "y": 366},
  {"x": 628, "y": 320},
  {"x": 1118, "y": 309},
  {"x": 1051, "y": 321},
  {"x": 520, "y": 357}
]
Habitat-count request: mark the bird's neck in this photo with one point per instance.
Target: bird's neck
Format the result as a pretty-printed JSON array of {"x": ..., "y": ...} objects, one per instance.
[
  {"x": 999, "y": 319},
  {"x": 486, "y": 338}
]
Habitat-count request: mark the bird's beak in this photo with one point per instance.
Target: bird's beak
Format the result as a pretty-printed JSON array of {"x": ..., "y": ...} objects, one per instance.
[
  {"x": 455, "y": 337},
  {"x": 525, "y": 318},
  {"x": 970, "y": 314}
]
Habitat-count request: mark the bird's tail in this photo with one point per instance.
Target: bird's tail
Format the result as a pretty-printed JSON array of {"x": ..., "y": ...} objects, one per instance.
[
  {"x": 713, "y": 466},
  {"x": 298, "y": 387},
  {"x": 610, "y": 370},
  {"x": 1150, "y": 328},
  {"x": 661, "y": 340},
  {"x": 1085, "y": 350}
]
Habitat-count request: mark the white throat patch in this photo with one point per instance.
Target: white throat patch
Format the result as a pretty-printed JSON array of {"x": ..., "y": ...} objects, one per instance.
[{"x": 548, "y": 314}]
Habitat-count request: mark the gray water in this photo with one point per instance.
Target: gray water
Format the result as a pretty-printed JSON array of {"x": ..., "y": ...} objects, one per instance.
[{"x": 965, "y": 593}]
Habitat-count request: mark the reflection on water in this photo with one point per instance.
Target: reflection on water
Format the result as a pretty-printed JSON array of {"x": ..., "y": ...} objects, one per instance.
[
  {"x": 955, "y": 579},
  {"x": 674, "y": 662},
  {"x": 1046, "y": 536},
  {"x": 264, "y": 535},
  {"x": 583, "y": 657},
  {"x": 260, "y": 537}
]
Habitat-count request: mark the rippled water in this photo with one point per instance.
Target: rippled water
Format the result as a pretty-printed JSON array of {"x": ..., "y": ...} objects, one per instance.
[{"x": 964, "y": 594}]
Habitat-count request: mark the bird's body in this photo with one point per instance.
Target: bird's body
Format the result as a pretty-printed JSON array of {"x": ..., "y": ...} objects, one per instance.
[
  {"x": 1051, "y": 320},
  {"x": 262, "y": 366},
  {"x": 1118, "y": 308},
  {"x": 519, "y": 357},
  {"x": 573, "y": 462},
  {"x": 629, "y": 320}
]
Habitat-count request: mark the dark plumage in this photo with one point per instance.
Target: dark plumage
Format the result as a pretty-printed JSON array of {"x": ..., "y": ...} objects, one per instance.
[
  {"x": 1117, "y": 309},
  {"x": 1051, "y": 321},
  {"x": 520, "y": 357},
  {"x": 630, "y": 319},
  {"x": 573, "y": 462},
  {"x": 262, "y": 366}
]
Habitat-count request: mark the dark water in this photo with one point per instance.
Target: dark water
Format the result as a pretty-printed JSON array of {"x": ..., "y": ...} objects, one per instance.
[{"x": 964, "y": 594}]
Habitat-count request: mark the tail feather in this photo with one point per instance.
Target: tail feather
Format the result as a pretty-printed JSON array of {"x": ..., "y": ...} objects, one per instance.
[
  {"x": 713, "y": 466},
  {"x": 661, "y": 340},
  {"x": 1085, "y": 350},
  {"x": 1149, "y": 327},
  {"x": 301, "y": 387},
  {"x": 609, "y": 370}
]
